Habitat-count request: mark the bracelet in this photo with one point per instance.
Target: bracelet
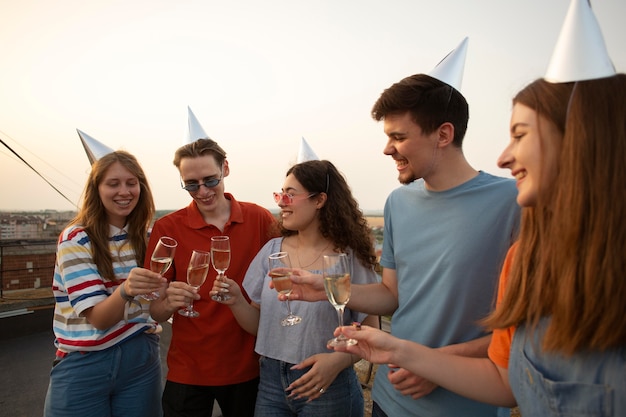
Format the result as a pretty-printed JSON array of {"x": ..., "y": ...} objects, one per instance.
[{"x": 123, "y": 293}]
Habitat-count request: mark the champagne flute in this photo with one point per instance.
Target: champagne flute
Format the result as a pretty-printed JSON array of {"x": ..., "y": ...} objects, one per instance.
[
  {"x": 220, "y": 258},
  {"x": 161, "y": 260},
  {"x": 196, "y": 274},
  {"x": 280, "y": 272},
  {"x": 337, "y": 286}
]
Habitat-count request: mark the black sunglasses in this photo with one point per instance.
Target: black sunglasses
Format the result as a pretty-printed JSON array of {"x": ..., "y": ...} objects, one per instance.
[{"x": 195, "y": 187}]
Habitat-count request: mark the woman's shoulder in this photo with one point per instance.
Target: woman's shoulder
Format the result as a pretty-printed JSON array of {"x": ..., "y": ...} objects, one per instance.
[
  {"x": 272, "y": 245},
  {"x": 74, "y": 233}
]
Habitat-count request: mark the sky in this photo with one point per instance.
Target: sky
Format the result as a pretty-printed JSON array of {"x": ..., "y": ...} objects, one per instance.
[{"x": 258, "y": 75}]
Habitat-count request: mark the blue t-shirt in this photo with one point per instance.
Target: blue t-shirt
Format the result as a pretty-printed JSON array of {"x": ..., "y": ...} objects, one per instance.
[{"x": 447, "y": 249}]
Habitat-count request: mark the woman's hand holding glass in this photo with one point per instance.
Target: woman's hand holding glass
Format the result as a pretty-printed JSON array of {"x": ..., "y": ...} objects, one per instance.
[
  {"x": 160, "y": 261},
  {"x": 140, "y": 281},
  {"x": 374, "y": 345}
]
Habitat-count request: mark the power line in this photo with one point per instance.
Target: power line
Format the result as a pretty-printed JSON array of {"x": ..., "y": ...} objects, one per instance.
[
  {"x": 36, "y": 172},
  {"x": 72, "y": 180}
]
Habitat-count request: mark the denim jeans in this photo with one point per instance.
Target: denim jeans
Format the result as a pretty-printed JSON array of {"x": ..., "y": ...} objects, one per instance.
[
  {"x": 504, "y": 412},
  {"x": 121, "y": 381},
  {"x": 343, "y": 398},
  {"x": 377, "y": 411}
]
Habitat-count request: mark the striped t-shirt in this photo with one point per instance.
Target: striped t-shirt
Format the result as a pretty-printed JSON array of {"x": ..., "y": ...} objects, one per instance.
[{"x": 79, "y": 286}]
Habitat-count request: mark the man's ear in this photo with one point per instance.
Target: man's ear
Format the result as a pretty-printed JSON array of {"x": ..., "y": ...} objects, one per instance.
[
  {"x": 225, "y": 169},
  {"x": 446, "y": 134}
]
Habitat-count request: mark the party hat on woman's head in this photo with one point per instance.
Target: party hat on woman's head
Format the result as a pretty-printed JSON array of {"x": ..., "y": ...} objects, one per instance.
[
  {"x": 580, "y": 53},
  {"x": 450, "y": 69},
  {"x": 194, "y": 128},
  {"x": 306, "y": 153},
  {"x": 94, "y": 149}
]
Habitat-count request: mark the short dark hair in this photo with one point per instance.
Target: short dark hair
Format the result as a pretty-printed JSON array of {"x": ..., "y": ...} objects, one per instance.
[{"x": 429, "y": 101}]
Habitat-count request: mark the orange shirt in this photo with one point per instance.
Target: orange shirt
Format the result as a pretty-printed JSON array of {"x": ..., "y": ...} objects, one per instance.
[{"x": 500, "y": 346}]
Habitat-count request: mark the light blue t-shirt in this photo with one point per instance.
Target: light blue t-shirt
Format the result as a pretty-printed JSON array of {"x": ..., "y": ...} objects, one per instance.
[
  {"x": 447, "y": 249},
  {"x": 293, "y": 344}
]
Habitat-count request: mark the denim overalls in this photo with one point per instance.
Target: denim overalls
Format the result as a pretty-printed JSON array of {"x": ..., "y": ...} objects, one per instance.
[{"x": 548, "y": 384}]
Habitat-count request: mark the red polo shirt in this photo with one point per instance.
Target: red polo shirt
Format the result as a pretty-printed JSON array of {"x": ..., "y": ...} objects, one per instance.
[{"x": 212, "y": 349}]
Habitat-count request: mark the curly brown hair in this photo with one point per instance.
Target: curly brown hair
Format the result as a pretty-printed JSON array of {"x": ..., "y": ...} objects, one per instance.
[{"x": 341, "y": 220}]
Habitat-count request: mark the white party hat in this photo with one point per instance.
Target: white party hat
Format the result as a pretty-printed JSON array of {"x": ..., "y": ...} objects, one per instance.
[
  {"x": 194, "y": 128},
  {"x": 94, "y": 149},
  {"x": 580, "y": 53},
  {"x": 450, "y": 69},
  {"x": 306, "y": 152}
]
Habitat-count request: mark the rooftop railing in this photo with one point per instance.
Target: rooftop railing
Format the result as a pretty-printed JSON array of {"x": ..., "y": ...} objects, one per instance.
[{"x": 27, "y": 263}]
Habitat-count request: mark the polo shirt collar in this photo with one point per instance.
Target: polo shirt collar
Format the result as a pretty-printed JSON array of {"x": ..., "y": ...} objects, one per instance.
[{"x": 196, "y": 221}]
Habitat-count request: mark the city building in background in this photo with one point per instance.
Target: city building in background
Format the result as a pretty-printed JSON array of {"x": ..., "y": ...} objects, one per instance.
[
  {"x": 28, "y": 247},
  {"x": 28, "y": 225}
]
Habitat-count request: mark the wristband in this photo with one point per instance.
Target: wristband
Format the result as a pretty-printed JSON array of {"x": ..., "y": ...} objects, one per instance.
[{"x": 123, "y": 293}]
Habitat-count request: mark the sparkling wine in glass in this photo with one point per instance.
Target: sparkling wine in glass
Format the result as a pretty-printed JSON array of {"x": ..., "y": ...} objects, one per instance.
[
  {"x": 280, "y": 272},
  {"x": 337, "y": 286},
  {"x": 161, "y": 260},
  {"x": 196, "y": 274},
  {"x": 220, "y": 257}
]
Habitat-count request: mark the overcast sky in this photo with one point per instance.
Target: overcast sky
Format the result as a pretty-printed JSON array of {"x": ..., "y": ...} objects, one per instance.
[{"x": 258, "y": 76}]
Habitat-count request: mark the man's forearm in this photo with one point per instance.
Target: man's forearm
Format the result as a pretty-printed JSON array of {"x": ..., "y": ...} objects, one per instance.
[
  {"x": 159, "y": 311},
  {"x": 476, "y": 348},
  {"x": 373, "y": 299}
]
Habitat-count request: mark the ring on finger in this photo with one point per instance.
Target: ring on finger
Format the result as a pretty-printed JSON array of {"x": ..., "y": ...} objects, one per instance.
[{"x": 322, "y": 390}]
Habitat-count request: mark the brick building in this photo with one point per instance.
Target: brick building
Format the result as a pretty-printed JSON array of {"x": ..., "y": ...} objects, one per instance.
[{"x": 26, "y": 264}]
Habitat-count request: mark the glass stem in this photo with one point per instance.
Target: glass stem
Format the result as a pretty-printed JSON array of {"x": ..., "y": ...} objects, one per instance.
[
  {"x": 288, "y": 306},
  {"x": 220, "y": 277},
  {"x": 190, "y": 306},
  {"x": 340, "y": 317}
]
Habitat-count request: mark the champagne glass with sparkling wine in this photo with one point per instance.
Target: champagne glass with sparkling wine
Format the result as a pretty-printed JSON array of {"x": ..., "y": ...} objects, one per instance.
[
  {"x": 337, "y": 286},
  {"x": 220, "y": 257},
  {"x": 161, "y": 260},
  {"x": 280, "y": 272},
  {"x": 196, "y": 274}
]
